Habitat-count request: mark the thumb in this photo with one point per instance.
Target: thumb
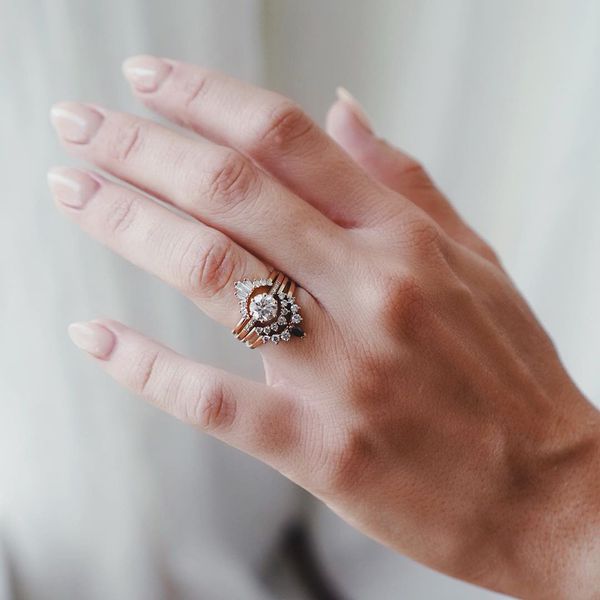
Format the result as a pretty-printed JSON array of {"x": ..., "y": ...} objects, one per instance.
[{"x": 348, "y": 124}]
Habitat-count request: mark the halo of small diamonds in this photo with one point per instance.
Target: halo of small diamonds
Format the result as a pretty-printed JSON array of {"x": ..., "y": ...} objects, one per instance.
[{"x": 269, "y": 313}]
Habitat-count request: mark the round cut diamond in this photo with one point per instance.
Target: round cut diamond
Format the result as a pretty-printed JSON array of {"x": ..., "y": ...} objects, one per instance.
[{"x": 263, "y": 307}]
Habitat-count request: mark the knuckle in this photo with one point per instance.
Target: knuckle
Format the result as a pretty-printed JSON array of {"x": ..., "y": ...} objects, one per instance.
[
  {"x": 424, "y": 237},
  {"x": 485, "y": 250},
  {"x": 459, "y": 294},
  {"x": 403, "y": 305},
  {"x": 126, "y": 139},
  {"x": 121, "y": 213},
  {"x": 208, "y": 265},
  {"x": 229, "y": 182},
  {"x": 342, "y": 461},
  {"x": 213, "y": 409},
  {"x": 193, "y": 88},
  {"x": 414, "y": 180},
  {"x": 413, "y": 171},
  {"x": 145, "y": 369},
  {"x": 285, "y": 124}
]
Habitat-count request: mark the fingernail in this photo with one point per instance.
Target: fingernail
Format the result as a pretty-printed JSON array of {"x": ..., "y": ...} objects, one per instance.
[
  {"x": 94, "y": 338},
  {"x": 71, "y": 187},
  {"x": 75, "y": 122},
  {"x": 146, "y": 73},
  {"x": 352, "y": 103}
]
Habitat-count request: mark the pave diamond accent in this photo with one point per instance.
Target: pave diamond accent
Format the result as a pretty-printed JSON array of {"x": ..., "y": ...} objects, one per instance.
[{"x": 249, "y": 325}]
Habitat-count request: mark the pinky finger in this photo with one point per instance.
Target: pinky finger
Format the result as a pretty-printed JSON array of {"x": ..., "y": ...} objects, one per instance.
[
  {"x": 349, "y": 127},
  {"x": 250, "y": 416}
]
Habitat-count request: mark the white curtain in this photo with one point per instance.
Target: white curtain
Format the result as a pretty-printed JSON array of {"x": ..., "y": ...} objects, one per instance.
[{"x": 104, "y": 497}]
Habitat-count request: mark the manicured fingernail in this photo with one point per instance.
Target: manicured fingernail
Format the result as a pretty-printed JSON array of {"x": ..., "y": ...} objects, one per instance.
[
  {"x": 146, "y": 73},
  {"x": 71, "y": 187},
  {"x": 352, "y": 103},
  {"x": 75, "y": 122},
  {"x": 94, "y": 338}
]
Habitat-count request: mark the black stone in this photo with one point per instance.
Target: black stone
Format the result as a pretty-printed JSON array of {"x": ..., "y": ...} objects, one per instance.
[{"x": 297, "y": 331}]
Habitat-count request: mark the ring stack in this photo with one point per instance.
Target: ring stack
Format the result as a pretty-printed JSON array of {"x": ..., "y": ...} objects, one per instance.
[{"x": 269, "y": 310}]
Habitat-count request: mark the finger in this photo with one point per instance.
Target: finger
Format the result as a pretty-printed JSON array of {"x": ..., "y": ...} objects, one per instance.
[
  {"x": 247, "y": 415},
  {"x": 349, "y": 127},
  {"x": 201, "y": 262},
  {"x": 214, "y": 184},
  {"x": 263, "y": 125}
]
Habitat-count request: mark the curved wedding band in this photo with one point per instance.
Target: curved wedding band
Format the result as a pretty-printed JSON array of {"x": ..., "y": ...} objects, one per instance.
[{"x": 269, "y": 310}]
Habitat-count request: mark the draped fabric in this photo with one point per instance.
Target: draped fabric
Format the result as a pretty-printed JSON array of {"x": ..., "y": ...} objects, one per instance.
[{"x": 102, "y": 496}]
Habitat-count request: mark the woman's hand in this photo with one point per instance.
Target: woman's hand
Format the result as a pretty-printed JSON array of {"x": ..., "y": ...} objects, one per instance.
[{"x": 426, "y": 405}]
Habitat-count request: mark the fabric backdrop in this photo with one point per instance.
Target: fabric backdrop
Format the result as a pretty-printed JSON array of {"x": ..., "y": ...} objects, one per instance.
[{"x": 103, "y": 497}]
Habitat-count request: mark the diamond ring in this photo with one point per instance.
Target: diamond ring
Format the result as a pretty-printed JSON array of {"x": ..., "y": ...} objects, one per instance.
[{"x": 269, "y": 310}]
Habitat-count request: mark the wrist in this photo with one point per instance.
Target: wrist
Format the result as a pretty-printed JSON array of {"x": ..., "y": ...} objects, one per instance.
[{"x": 549, "y": 526}]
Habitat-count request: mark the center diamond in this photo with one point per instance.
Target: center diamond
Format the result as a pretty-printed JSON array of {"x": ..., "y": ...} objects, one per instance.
[{"x": 263, "y": 307}]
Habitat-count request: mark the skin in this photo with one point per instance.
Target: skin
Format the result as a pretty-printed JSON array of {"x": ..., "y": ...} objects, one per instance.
[{"x": 426, "y": 405}]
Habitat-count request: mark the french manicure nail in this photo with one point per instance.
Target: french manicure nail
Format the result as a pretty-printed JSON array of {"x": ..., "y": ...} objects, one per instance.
[
  {"x": 75, "y": 122},
  {"x": 71, "y": 187},
  {"x": 354, "y": 105},
  {"x": 93, "y": 338},
  {"x": 146, "y": 73}
]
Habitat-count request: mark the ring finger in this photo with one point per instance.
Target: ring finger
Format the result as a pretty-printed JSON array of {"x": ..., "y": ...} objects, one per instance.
[{"x": 201, "y": 262}]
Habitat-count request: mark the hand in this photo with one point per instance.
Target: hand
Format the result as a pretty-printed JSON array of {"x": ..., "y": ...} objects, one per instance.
[{"x": 426, "y": 405}]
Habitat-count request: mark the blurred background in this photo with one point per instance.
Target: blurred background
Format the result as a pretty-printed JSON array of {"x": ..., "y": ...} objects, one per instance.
[{"x": 104, "y": 497}]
